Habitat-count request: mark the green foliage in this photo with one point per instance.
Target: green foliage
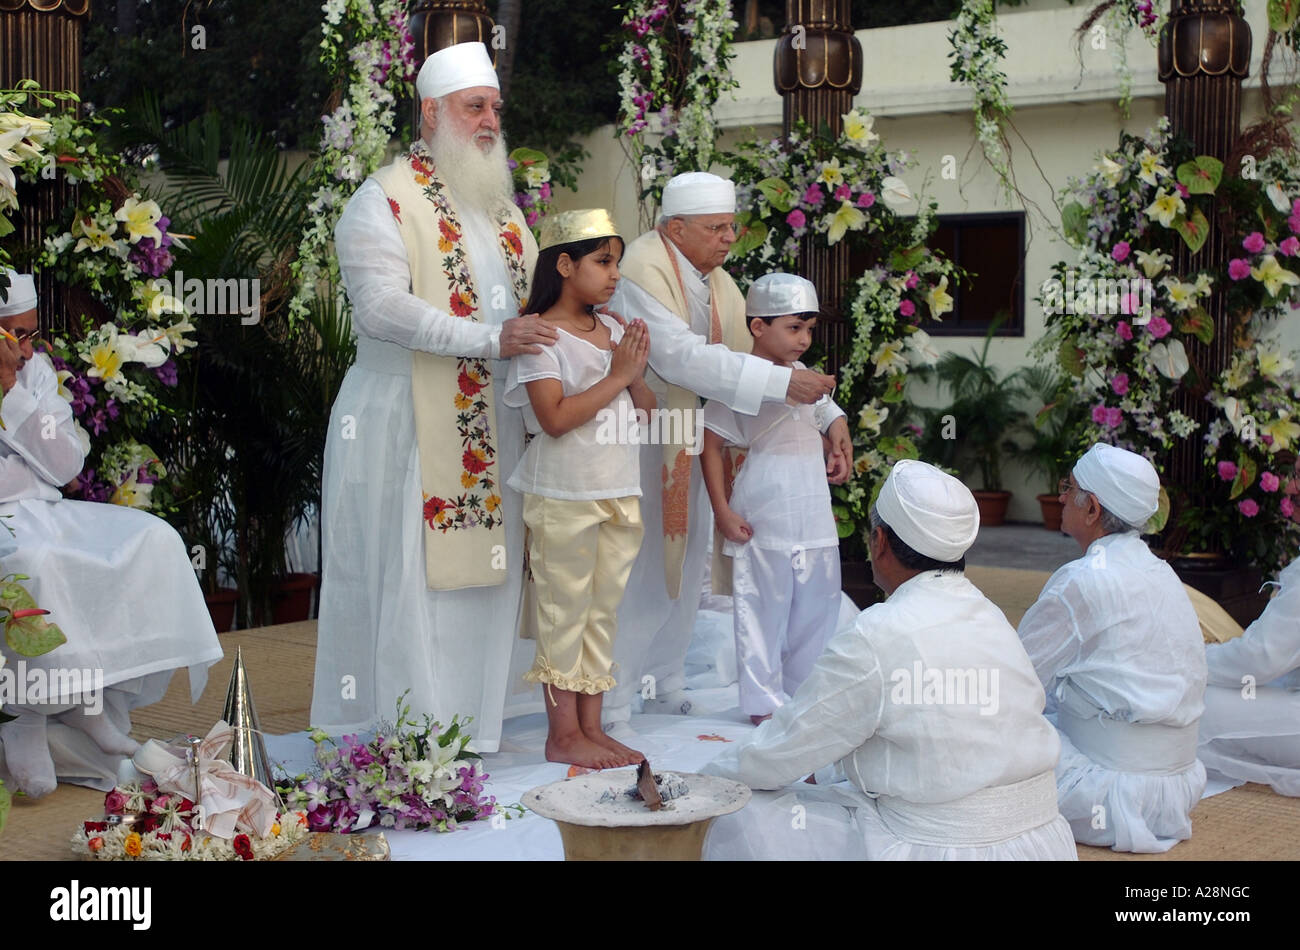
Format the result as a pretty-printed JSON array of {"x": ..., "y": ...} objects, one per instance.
[{"x": 1053, "y": 433}]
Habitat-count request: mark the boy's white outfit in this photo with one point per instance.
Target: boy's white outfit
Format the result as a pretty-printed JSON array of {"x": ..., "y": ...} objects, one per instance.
[
  {"x": 786, "y": 579},
  {"x": 582, "y": 508}
]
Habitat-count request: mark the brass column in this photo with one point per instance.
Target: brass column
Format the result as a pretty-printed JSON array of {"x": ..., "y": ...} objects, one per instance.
[
  {"x": 817, "y": 71},
  {"x": 41, "y": 40}
]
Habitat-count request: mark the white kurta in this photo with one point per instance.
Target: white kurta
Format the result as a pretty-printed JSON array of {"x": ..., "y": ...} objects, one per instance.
[
  {"x": 654, "y": 629},
  {"x": 116, "y": 580},
  {"x": 1251, "y": 726},
  {"x": 381, "y": 630},
  {"x": 961, "y": 770},
  {"x": 1117, "y": 645}
]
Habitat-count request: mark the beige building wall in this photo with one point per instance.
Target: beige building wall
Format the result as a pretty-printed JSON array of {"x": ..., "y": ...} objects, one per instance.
[{"x": 1066, "y": 109}]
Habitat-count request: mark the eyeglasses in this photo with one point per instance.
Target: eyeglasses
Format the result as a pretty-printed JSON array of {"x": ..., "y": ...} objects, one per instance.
[
  {"x": 1065, "y": 485},
  {"x": 717, "y": 229},
  {"x": 22, "y": 336}
]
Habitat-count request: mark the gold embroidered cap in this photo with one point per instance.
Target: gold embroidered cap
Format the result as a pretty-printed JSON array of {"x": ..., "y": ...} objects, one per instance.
[{"x": 566, "y": 227}]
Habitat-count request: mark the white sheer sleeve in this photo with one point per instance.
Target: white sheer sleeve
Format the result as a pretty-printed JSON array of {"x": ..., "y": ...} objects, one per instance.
[
  {"x": 1050, "y": 636},
  {"x": 372, "y": 258},
  {"x": 41, "y": 450},
  {"x": 836, "y": 710},
  {"x": 686, "y": 359},
  {"x": 1270, "y": 647}
]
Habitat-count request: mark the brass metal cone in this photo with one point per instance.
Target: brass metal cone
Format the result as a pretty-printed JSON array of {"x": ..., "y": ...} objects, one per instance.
[{"x": 248, "y": 746}]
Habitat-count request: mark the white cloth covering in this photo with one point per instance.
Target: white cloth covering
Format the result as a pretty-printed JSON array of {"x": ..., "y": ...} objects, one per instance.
[
  {"x": 21, "y": 295},
  {"x": 1124, "y": 482},
  {"x": 1115, "y": 640},
  {"x": 1251, "y": 726},
  {"x": 655, "y": 629},
  {"x": 698, "y": 193},
  {"x": 786, "y": 604},
  {"x": 932, "y": 756},
  {"x": 585, "y": 463},
  {"x": 381, "y": 630},
  {"x": 456, "y": 67},
  {"x": 779, "y": 295},
  {"x": 116, "y": 580},
  {"x": 931, "y": 512},
  {"x": 781, "y": 488}
]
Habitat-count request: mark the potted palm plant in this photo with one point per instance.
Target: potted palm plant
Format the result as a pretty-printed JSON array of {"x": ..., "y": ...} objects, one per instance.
[
  {"x": 970, "y": 433},
  {"x": 1052, "y": 433}
]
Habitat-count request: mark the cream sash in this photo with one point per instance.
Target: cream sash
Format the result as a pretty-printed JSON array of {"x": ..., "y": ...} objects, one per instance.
[
  {"x": 455, "y": 416},
  {"x": 649, "y": 261},
  {"x": 1146, "y": 747},
  {"x": 986, "y": 817}
]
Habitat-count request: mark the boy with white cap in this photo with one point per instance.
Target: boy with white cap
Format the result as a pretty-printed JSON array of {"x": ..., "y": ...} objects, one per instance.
[
  {"x": 927, "y": 704},
  {"x": 1116, "y": 643},
  {"x": 777, "y": 518}
]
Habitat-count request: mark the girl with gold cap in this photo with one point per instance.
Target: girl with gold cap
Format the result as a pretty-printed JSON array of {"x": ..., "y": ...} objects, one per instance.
[{"x": 581, "y": 486}]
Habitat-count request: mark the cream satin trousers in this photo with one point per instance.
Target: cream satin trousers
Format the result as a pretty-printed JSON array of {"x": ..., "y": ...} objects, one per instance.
[
  {"x": 786, "y": 607},
  {"x": 580, "y": 554}
]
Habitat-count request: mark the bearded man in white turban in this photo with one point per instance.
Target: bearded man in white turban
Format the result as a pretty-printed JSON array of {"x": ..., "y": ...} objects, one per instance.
[
  {"x": 1117, "y": 644},
  {"x": 116, "y": 580},
  {"x": 673, "y": 279},
  {"x": 1251, "y": 726},
  {"x": 422, "y": 543},
  {"x": 927, "y": 704}
]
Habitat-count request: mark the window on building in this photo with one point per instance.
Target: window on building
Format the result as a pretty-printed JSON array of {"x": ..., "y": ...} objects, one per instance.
[{"x": 991, "y": 249}]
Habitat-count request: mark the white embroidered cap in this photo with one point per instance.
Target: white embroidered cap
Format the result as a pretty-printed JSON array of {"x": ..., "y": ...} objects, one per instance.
[
  {"x": 698, "y": 193},
  {"x": 931, "y": 512},
  {"x": 775, "y": 295},
  {"x": 462, "y": 66},
  {"x": 22, "y": 295}
]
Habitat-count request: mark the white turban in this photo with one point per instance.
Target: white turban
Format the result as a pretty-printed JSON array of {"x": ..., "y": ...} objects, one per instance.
[
  {"x": 462, "y": 66},
  {"x": 1124, "y": 482},
  {"x": 775, "y": 295},
  {"x": 22, "y": 295},
  {"x": 931, "y": 512},
  {"x": 698, "y": 193}
]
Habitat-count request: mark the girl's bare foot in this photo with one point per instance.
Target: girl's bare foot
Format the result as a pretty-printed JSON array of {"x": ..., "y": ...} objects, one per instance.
[
  {"x": 629, "y": 755},
  {"x": 757, "y": 719},
  {"x": 576, "y": 749}
]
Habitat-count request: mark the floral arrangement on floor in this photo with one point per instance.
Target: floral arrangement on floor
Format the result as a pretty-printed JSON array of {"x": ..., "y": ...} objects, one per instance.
[
  {"x": 406, "y": 777},
  {"x": 128, "y": 341},
  {"x": 847, "y": 187},
  {"x": 654, "y": 79},
  {"x": 369, "y": 51},
  {"x": 1118, "y": 317},
  {"x": 154, "y": 826}
]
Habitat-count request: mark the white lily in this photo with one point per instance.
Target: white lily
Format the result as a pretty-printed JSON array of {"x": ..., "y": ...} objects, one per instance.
[
  {"x": 1181, "y": 295},
  {"x": 846, "y": 218},
  {"x": 831, "y": 173},
  {"x": 1204, "y": 284},
  {"x": 176, "y": 335},
  {"x": 150, "y": 347},
  {"x": 1166, "y": 207},
  {"x": 1153, "y": 262},
  {"x": 922, "y": 348},
  {"x": 141, "y": 219},
  {"x": 132, "y": 494},
  {"x": 1278, "y": 197},
  {"x": 938, "y": 299},
  {"x": 858, "y": 129},
  {"x": 1282, "y": 430},
  {"x": 872, "y": 416},
  {"x": 1273, "y": 275},
  {"x": 889, "y": 358},
  {"x": 1110, "y": 169},
  {"x": 1149, "y": 167},
  {"x": 1273, "y": 363}
]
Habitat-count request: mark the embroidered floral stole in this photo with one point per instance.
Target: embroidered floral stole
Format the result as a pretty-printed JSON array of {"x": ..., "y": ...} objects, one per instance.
[{"x": 455, "y": 418}]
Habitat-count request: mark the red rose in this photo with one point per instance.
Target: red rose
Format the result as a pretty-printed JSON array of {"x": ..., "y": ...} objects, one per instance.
[
  {"x": 147, "y": 823},
  {"x": 114, "y": 802},
  {"x": 396, "y": 209},
  {"x": 468, "y": 384},
  {"x": 243, "y": 847},
  {"x": 473, "y": 464}
]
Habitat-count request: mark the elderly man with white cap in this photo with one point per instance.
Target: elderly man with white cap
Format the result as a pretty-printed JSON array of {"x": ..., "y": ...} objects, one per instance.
[
  {"x": 673, "y": 279},
  {"x": 927, "y": 704},
  {"x": 116, "y": 580},
  {"x": 1118, "y": 647},
  {"x": 422, "y": 544}
]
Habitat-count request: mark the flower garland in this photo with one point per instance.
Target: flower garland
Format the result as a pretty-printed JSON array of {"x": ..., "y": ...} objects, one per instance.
[
  {"x": 977, "y": 52},
  {"x": 1118, "y": 315},
  {"x": 652, "y": 81},
  {"x": 402, "y": 778},
  {"x": 367, "y": 45},
  {"x": 848, "y": 188},
  {"x": 163, "y": 827},
  {"x": 124, "y": 356}
]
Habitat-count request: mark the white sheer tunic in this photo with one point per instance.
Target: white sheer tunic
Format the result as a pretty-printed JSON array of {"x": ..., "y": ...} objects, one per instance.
[
  {"x": 116, "y": 580},
  {"x": 1117, "y": 645},
  {"x": 962, "y": 771},
  {"x": 1251, "y": 726},
  {"x": 597, "y": 459}
]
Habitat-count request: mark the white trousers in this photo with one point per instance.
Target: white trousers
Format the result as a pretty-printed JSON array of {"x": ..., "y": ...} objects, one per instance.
[{"x": 786, "y": 607}]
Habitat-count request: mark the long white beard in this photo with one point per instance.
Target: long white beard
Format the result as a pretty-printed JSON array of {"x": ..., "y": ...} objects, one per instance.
[{"x": 481, "y": 179}]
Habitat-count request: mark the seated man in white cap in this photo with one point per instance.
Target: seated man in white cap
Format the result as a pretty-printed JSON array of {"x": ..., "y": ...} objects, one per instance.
[
  {"x": 1117, "y": 645},
  {"x": 776, "y": 521},
  {"x": 673, "y": 279},
  {"x": 116, "y": 580},
  {"x": 927, "y": 703},
  {"x": 1251, "y": 726}
]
